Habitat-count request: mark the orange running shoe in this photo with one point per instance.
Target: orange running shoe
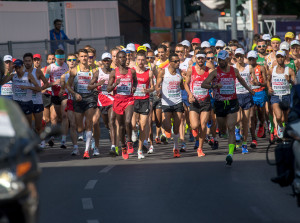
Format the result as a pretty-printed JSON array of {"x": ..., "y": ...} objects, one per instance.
[
  {"x": 86, "y": 155},
  {"x": 157, "y": 140},
  {"x": 168, "y": 134},
  {"x": 217, "y": 130},
  {"x": 195, "y": 132},
  {"x": 176, "y": 153},
  {"x": 130, "y": 148},
  {"x": 261, "y": 131},
  {"x": 200, "y": 152},
  {"x": 124, "y": 153}
]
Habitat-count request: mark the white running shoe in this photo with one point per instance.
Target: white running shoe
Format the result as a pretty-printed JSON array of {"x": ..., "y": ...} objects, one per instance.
[
  {"x": 140, "y": 155},
  {"x": 133, "y": 136},
  {"x": 280, "y": 132},
  {"x": 43, "y": 144},
  {"x": 151, "y": 149},
  {"x": 96, "y": 152},
  {"x": 75, "y": 152}
]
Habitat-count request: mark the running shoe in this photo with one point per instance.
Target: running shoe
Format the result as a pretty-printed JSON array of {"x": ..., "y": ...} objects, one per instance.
[
  {"x": 244, "y": 149},
  {"x": 211, "y": 141},
  {"x": 43, "y": 144},
  {"x": 133, "y": 136},
  {"x": 191, "y": 137},
  {"x": 157, "y": 140},
  {"x": 130, "y": 148},
  {"x": 208, "y": 124},
  {"x": 63, "y": 146},
  {"x": 195, "y": 132},
  {"x": 163, "y": 138},
  {"x": 50, "y": 142},
  {"x": 272, "y": 138},
  {"x": 124, "y": 153},
  {"x": 140, "y": 155},
  {"x": 261, "y": 132},
  {"x": 183, "y": 147},
  {"x": 176, "y": 153},
  {"x": 86, "y": 155},
  {"x": 229, "y": 160},
  {"x": 75, "y": 152},
  {"x": 217, "y": 130},
  {"x": 112, "y": 151},
  {"x": 117, "y": 150},
  {"x": 168, "y": 135},
  {"x": 280, "y": 132},
  {"x": 151, "y": 150},
  {"x": 237, "y": 135},
  {"x": 80, "y": 137},
  {"x": 196, "y": 144},
  {"x": 200, "y": 152},
  {"x": 253, "y": 144},
  {"x": 207, "y": 138},
  {"x": 215, "y": 145},
  {"x": 96, "y": 152}
]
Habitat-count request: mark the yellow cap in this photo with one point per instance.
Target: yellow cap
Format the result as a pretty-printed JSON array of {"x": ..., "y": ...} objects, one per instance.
[
  {"x": 289, "y": 35},
  {"x": 122, "y": 46},
  {"x": 142, "y": 48}
]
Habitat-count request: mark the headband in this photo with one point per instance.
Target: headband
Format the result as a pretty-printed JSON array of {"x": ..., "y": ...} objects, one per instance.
[
  {"x": 276, "y": 39},
  {"x": 60, "y": 56},
  {"x": 200, "y": 55}
]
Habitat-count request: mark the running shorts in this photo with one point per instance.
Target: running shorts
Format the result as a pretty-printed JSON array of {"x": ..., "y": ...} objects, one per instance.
[
  {"x": 56, "y": 100},
  {"x": 156, "y": 103},
  {"x": 26, "y": 107},
  {"x": 86, "y": 103},
  {"x": 260, "y": 98},
  {"x": 173, "y": 108},
  {"x": 38, "y": 108},
  {"x": 46, "y": 100},
  {"x": 245, "y": 101},
  {"x": 284, "y": 101},
  {"x": 69, "y": 106},
  {"x": 142, "y": 106},
  {"x": 201, "y": 106},
  {"x": 120, "y": 104},
  {"x": 223, "y": 108},
  {"x": 104, "y": 109}
]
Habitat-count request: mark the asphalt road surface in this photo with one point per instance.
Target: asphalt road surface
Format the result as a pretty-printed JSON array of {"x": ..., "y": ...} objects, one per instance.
[{"x": 161, "y": 188}]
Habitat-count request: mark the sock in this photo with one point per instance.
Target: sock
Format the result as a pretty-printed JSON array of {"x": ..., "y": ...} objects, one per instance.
[
  {"x": 176, "y": 141},
  {"x": 283, "y": 124},
  {"x": 237, "y": 127},
  {"x": 63, "y": 138},
  {"x": 272, "y": 123},
  {"x": 231, "y": 149},
  {"x": 88, "y": 140}
]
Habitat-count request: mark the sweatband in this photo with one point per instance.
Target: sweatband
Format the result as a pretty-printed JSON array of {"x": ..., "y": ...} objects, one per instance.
[
  {"x": 60, "y": 56},
  {"x": 276, "y": 39},
  {"x": 200, "y": 55}
]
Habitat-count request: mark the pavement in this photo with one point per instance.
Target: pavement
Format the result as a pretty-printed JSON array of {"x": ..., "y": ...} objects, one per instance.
[{"x": 161, "y": 188}]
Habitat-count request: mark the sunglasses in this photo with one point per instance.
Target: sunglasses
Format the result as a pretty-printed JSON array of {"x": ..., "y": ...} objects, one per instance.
[
  {"x": 269, "y": 51},
  {"x": 261, "y": 46},
  {"x": 178, "y": 51},
  {"x": 36, "y": 59},
  {"x": 74, "y": 60},
  {"x": 294, "y": 47},
  {"x": 198, "y": 58},
  {"x": 7, "y": 61},
  {"x": 251, "y": 58},
  {"x": 175, "y": 61},
  {"x": 91, "y": 57},
  {"x": 279, "y": 56},
  {"x": 239, "y": 56},
  {"x": 210, "y": 58},
  {"x": 150, "y": 57},
  {"x": 106, "y": 60},
  {"x": 219, "y": 48}
]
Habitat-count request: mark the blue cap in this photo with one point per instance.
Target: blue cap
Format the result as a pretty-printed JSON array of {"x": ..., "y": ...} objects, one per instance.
[
  {"x": 18, "y": 63},
  {"x": 223, "y": 54},
  {"x": 212, "y": 41}
]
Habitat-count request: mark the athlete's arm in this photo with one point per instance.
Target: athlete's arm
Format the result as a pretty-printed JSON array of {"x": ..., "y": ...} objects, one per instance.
[
  {"x": 70, "y": 82},
  {"x": 6, "y": 79},
  {"x": 255, "y": 82},
  {"x": 31, "y": 79},
  {"x": 41, "y": 76},
  {"x": 187, "y": 85},
  {"x": 134, "y": 80},
  {"x": 269, "y": 81},
  {"x": 159, "y": 80},
  {"x": 242, "y": 81},
  {"x": 207, "y": 82},
  {"x": 291, "y": 78},
  {"x": 264, "y": 76},
  {"x": 93, "y": 83},
  {"x": 151, "y": 89},
  {"x": 111, "y": 85}
]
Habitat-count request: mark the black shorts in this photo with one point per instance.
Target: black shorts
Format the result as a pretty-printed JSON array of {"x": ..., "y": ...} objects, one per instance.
[
  {"x": 201, "y": 106},
  {"x": 104, "y": 109},
  {"x": 26, "y": 107},
  {"x": 47, "y": 100},
  {"x": 156, "y": 103},
  {"x": 245, "y": 101},
  {"x": 223, "y": 108},
  {"x": 173, "y": 108},
  {"x": 142, "y": 106},
  {"x": 86, "y": 103},
  {"x": 56, "y": 100},
  {"x": 38, "y": 108}
]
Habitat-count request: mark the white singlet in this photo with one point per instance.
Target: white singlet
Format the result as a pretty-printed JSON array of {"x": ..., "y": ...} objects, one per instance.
[
  {"x": 171, "y": 91},
  {"x": 280, "y": 85}
]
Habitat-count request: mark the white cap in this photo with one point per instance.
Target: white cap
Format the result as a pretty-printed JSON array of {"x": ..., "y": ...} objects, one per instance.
[
  {"x": 220, "y": 43},
  {"x": 205, "y": 44},
  {"x": 155, "y": 52},
  {"x": 284, "y": 46},
  {"x": 266, "y": 37},
  {"x": 252, "y": 53},
  {"x": 130, "y": 46},
  {"x": 295, "y": 42},
  {"x": 7, "y": 57},
  {"x": 200, "y": 55},
  {"x": 280, "y": 52},
  {"x": 191, "y": 53},
  {"x": 239, "y": 51},
  {"x": 186, "y": 43},
  {"x": 106, "y": 55},
  {"x": 223, "y": 54},
  {"x": 147, "y": 45}
]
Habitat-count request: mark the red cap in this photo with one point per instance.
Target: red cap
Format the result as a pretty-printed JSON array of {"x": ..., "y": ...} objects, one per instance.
[
  {"x": 14, "y": 59},
  {"x": 136, "y": 46},
  {"x": 196, "y": 40},
  {"x": 37, "y": 56}
]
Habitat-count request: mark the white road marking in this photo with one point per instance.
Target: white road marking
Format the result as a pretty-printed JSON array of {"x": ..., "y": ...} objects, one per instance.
[
  {"x": 92, "y": 221},
  {"x": 90, "y": 184},
  {"x": 106, "y": 169},
  {"x": 87, "y": 203},
  {"x": 263, "y": 217}
]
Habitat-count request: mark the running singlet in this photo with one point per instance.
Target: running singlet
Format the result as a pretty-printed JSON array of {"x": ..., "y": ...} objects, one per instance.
[
  {"x": 163, "y": 64},
  {"x": 245, "y": 74},
  {"x": 19, "y": 94},
  {"x": 201, "y": 94},
  {"x": 6, "y": 90},
  {"x": 261, "y": 60},
  {"x": 82, "y": 80},
  {"x": 143, "y": 83},
  {"x": 269, "y": 60},
  {"x": 55, "y": 74},
  {"x": 171, "y": 91},
  {"x": 259, "y": 77},
  {"x": 36, "y": 96},
  {"x": 124, "y": 88},
  {"x": 280, "y": 85},
  {"x": 67, "y": 76},
  {"x": 104, "y": 99},
  {"x": 185, "y": 64},
  {"x": 227, "y": 91}
]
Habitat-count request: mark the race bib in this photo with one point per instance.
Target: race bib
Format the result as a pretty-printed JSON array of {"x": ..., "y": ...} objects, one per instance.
[
  {"x": 140, "y": 90},
  {"x": 124, "y": 88},
  {"x": 198, "y": 90},
  {"x": 227, "y": 87},
  {"x": 6, "y": 89},
  {"x": 280, "y": 86}
]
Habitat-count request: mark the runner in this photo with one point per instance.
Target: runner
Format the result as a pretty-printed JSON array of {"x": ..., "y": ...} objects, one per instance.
[
  {"x": 187, "y": 48},
  {"x": 280, "y": 78},
  {"x": 131, "y": 54},
  {"x": 37, "y": 61},
  {"x": 226, "y": 106},
  {"x": 261, "y": 49},
  {"x": 113, "y": 53},
  {"x": 6, "y": 89},
  {"x": 199, "y": 98},
  {"x": 275, "y": 43},
  {"x": 219, "y": 46},
  {"x": 172, "y": 84},
  {"x": 123, "y": 81},
  {"x": 85, "y": 101},
  {"x": 167, "y": 44}
]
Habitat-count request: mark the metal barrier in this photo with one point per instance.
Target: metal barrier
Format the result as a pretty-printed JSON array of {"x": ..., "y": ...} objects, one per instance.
[{"x": 43, "y": 47}]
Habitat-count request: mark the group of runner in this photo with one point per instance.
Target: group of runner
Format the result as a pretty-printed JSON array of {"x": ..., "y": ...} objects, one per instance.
[{"x": 204, "y": 88}]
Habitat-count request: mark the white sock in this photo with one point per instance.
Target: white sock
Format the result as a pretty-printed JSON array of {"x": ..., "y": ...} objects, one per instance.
[
  {"x": 175, "y": 138},
  {"x": 88, "y": 140},
  {"x": 113, "y": 146}
]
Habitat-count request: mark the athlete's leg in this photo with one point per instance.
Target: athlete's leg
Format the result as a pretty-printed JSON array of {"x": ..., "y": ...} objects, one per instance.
[
  {"x": 177, "y": 116},
  {"x": 253, "y": 121},
  {"x": 88, "y": 114},
  {"x": 143, "y": 125},
  {"x": 64, "y": 123},
  {"x": 121, "y": 121},
  {"x": 38, "y": 117},
  {"x": 158, "y": 121},
  {"x": 231, "y": 120},
  {"x": 46, "y": 115},
  {"x": 73, "y": 127},
  {"x": 96, "y": 127},
  {"x": 53, "y": 115},
  {"x": 112, "y": 125},
  {"x": 166, "y": 123},
  {"x": 29, "y": 119},
  {"x": 278, "y": 113},
  {"x": 128, "y": 117},
  {"x": 245, "y": 124},
  {"x": 204, "y": 116}
]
